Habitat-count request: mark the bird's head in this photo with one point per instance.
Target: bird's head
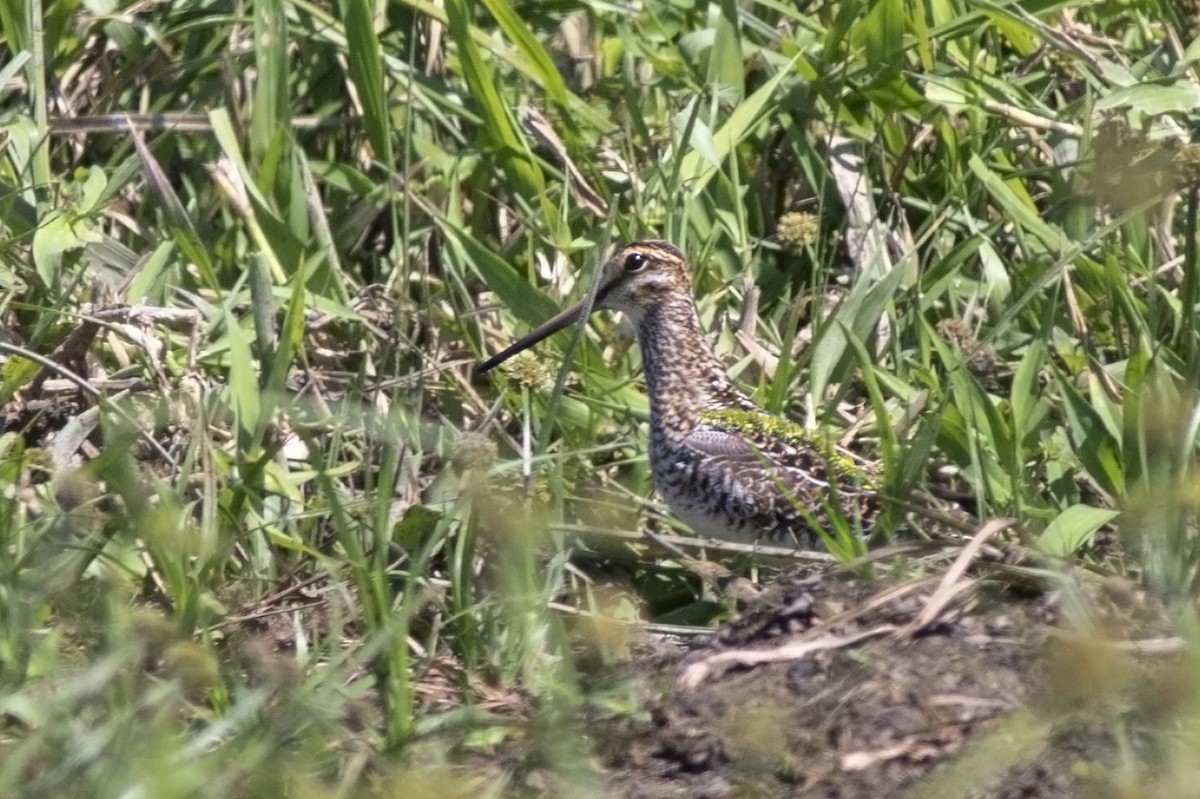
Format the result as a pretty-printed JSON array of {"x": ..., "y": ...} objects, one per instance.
[
  {"x": 638, "y": 277},
  {"x": 642, "y": 275}
]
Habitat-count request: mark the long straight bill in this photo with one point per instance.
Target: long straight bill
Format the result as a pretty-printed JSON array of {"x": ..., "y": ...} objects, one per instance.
[{"x": 544, "y": 330}]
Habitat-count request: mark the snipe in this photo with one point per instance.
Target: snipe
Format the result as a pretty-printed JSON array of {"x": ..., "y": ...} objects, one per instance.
[{"x": 722, "y": 464}]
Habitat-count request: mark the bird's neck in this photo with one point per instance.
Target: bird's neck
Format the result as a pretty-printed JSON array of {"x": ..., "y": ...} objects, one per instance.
[{"x": 683, "y": 374}]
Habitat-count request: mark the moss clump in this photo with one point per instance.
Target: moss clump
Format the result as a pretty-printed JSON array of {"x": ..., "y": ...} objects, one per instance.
[{"x": 772, "y": 435}]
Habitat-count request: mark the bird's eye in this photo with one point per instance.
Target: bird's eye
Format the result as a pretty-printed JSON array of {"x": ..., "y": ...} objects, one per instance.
[{"x": 634, "y": 261}]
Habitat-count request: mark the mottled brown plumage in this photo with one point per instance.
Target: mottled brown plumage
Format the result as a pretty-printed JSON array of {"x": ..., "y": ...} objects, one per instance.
[{"x": 722, "y": 464}]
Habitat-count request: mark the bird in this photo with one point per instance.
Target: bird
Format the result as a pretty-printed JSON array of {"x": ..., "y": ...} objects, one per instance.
[{"x": 722, "y": 464}]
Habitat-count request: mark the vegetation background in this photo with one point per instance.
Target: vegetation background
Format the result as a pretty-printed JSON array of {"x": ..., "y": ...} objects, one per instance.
[{"x": 261, "y": 532}]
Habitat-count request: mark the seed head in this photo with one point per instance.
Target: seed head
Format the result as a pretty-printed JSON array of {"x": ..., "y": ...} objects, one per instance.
[
  {"x": 798, "y": 230},
  {"x": 528, "y": 370},
  {"x": 473, "y": 452}
]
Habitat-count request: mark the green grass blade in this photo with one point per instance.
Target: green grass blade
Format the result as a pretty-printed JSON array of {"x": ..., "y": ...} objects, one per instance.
[
  {"x": 541, "y": 65},
  {"x": 272, "y": 111},
  {"x": 513, "y": 155},
  {"x": 696, "y": 170},
  {"x": 178, "y": 220},
  {"x": 365, "y": 55},
  {"x": 725, "y": 57}
]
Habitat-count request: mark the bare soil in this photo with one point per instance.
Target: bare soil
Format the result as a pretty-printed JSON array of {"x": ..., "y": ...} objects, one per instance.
[{"x": 995, "y": 698}]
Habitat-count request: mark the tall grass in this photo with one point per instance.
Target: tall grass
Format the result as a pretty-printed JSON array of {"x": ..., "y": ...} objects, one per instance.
[{"x": 319, "y": 219}]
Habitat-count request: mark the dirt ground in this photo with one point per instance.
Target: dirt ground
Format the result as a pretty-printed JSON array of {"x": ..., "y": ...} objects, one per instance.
[{"x": 836, "y": 688}]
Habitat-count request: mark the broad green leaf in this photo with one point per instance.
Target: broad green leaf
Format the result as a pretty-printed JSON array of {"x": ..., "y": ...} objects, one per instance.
[
  {"x": 982, "y": 436},
  {"x": 14, "y": 24},
  {"x": 995, "y": 274},
  {"x": 1073, "y": 528},
  {"x": 1190, "y": 56},
  {"x": 1106, "y": 410},
  {"x": 62, "y": 233}
]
